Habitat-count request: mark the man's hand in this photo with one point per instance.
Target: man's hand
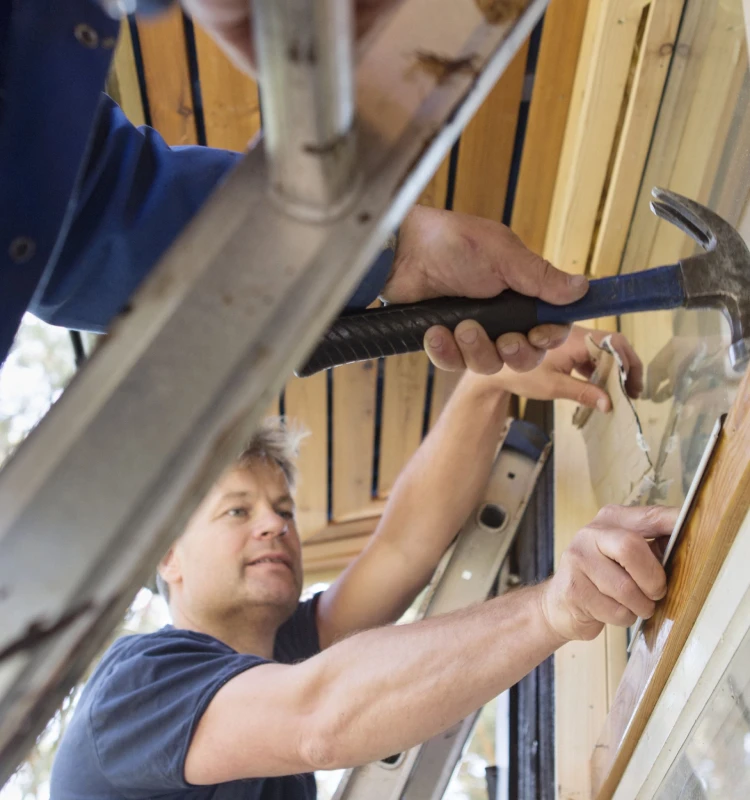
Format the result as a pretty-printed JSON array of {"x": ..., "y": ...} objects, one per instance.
[
  {"x": 553, "y": 378},
  {"x": 610, "y": 573},
  {"x": 443, "y": 253}
]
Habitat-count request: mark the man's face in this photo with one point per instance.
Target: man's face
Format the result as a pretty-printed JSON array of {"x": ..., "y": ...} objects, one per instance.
[{"x": 240, "y": 549}]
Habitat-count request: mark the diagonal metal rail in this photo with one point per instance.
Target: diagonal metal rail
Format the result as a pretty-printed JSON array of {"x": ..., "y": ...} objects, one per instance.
[{"x": 98, "y": 491}]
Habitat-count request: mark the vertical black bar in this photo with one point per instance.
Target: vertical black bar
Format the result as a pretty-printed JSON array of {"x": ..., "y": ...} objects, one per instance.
[
  {"x": 139, "y": 68},
  {"x": 195, "y": 84},
  {"x": 79, "y": 353}
]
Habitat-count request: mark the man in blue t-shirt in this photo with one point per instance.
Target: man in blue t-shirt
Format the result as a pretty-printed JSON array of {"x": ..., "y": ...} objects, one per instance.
[{"x": 250, "y": 691}]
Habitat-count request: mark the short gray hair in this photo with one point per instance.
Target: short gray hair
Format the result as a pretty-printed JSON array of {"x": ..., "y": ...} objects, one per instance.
[{"x": 277, "y": 442}]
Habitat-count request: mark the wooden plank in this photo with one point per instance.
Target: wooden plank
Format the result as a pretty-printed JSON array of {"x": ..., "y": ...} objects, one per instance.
[
  {"x": 720, "y": 507},
  {"x": 354, "y": 387},
  {"x": 548, "y": 113},
  {"x": 405, "y": 381},
  {"x": 165, "y": 63},
  {"x": 654, "y": 58},
  {"x": 306, "y": 402},
  {"x": 486, "y": 149},
  {"x": 337, "y": 552},
  {"x": 122, "y": 85},
  {"x": 231, "y": 108},
  {"x": 601, "y": 78},
  {"x": 436, "y": 191}
]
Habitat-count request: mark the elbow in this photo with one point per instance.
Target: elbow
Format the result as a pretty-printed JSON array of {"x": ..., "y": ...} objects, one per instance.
[{"x": 324, "y": 744}]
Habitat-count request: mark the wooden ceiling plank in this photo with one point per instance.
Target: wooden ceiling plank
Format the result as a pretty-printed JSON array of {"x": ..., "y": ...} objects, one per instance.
[
  {"x": 548, "y": 114},
  {"x": 306, "y": 402},
  {"x": 721, "y": 505},
  {"x": 165, "y": 63},
  {"x": 485, "y": 152},
  {"x": 123, "y": 86},
  {"x": 231, "y": 108},
  {"x": 354, "y": 388}
]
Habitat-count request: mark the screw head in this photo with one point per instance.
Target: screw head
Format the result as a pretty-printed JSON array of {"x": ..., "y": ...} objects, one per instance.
[
  {"x": 22, "y": 249},
  {"x": 86, "y": 36}
]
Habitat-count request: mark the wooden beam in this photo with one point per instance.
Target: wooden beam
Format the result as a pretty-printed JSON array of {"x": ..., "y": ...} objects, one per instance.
[
  {"x": 231, "y": 109},
  {"x": 165, "y": 62},
  {"x": 354, "y": 387},
  {"x": 654, "y": 57},
  {"x": 548, "y": 114},
  {"x": 602, "y": 74},
  {"x": 721, "y": 505},
  {"x": 336, "y": 548},
  {"x": 123, "y": 86},
  {"x": 306, "y": 402},
  {"x": 486, "y": 149}
]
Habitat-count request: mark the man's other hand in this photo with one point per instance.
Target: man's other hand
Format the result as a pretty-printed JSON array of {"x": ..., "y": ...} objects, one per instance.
[
  {"x": 553, "y": 379},
  {"x": 610, "y": 573},
  {"x": 443, "y": 253}
]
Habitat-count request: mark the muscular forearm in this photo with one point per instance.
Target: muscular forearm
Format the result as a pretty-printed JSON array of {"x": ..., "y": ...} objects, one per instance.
[
  {"x": 444, "y": 480},
  {"x": 386, "y": 690}
]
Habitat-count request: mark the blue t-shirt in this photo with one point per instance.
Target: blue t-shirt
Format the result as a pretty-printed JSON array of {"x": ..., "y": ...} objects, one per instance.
[{"x": 131, "y": 730}]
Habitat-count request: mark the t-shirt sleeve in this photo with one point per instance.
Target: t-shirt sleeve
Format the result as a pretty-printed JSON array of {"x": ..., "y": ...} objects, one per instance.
[
  {"x": 297, "y": 639},
  {"x": 148, "y": 704}
]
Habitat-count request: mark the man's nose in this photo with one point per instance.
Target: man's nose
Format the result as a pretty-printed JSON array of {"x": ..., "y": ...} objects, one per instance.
[{"x": 270, "y": 525}]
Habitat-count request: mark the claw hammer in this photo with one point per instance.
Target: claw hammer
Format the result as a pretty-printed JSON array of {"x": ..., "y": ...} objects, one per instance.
[{"x": 719, "y": 278}]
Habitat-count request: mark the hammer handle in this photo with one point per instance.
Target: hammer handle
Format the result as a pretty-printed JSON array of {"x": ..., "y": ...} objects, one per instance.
[{"x": 396, "y": 329}]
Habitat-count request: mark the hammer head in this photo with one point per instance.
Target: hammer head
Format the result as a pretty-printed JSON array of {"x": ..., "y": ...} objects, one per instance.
[{"x": 718, "y": 277}]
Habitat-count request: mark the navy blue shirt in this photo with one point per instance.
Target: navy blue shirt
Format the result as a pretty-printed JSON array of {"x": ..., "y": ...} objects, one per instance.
[
  {"x": 88, "y": 202},
  {"x": 133, "y": 724}
]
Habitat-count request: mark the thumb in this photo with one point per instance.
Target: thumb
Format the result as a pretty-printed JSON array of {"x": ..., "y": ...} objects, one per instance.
[
  {"x": 582, "y": 392},
  {"x": 532, "y": 275}
]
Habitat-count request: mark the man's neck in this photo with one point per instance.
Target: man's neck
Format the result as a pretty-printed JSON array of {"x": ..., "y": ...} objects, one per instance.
[{"x": 251, "y": 632}]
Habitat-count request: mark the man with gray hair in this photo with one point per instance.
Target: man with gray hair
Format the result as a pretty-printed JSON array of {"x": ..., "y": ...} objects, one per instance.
[{"x": 251, "y": 691}]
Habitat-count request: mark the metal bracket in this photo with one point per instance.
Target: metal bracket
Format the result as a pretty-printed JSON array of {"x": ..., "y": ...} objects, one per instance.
[{"x": 467, "y": 575}]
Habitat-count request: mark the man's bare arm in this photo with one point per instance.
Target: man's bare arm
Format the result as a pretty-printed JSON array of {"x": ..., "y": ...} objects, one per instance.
[
  {"x": 385, "y": 690},
  {"x": 431, "y": 500}
]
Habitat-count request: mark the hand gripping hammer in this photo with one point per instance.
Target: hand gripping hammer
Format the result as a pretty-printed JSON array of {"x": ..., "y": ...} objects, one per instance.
[{"x": 719, "y": 277}]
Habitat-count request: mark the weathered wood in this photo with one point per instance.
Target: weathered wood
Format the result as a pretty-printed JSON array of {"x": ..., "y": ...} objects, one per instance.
[
  {"x": 165, "y": 62},
  {"x": 601, "y": 78},
  {"x": 651, "y": 69},
  {"x": 354, "y": 387},
  {"x": 339, "y": 548},
  {"x": 486, "y": 148},
  {"x": 720, "y": 507},
  {"x": 231, "y": 109},
  {"x": 306, "y": 403},
  {"x": 122, "y": 85},
  {"x": 548, "y": 113}
]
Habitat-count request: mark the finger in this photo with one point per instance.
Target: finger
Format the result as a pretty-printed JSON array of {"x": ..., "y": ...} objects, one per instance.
[
  {"x": 603, "y": 608},
  {"x": 479, "y": 352},
  {"x": 547, "y": 337},
  {"x": 650, "y": 521},
  {"x": 633, "y": 365},
  {"x": 442, "y": 350},
  {"x": 517, "y": 353},
  {"x": 613, "y": 581},
  {"x": 534, "y": 276},
  {"x": 566, "y": 387},
  {"x": 632, "y": 552}
]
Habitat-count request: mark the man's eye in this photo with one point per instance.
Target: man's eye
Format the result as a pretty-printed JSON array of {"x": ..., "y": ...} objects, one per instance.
[
  {"x": 286, "y": 514},
  {"x": 240, "y": 513}
]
